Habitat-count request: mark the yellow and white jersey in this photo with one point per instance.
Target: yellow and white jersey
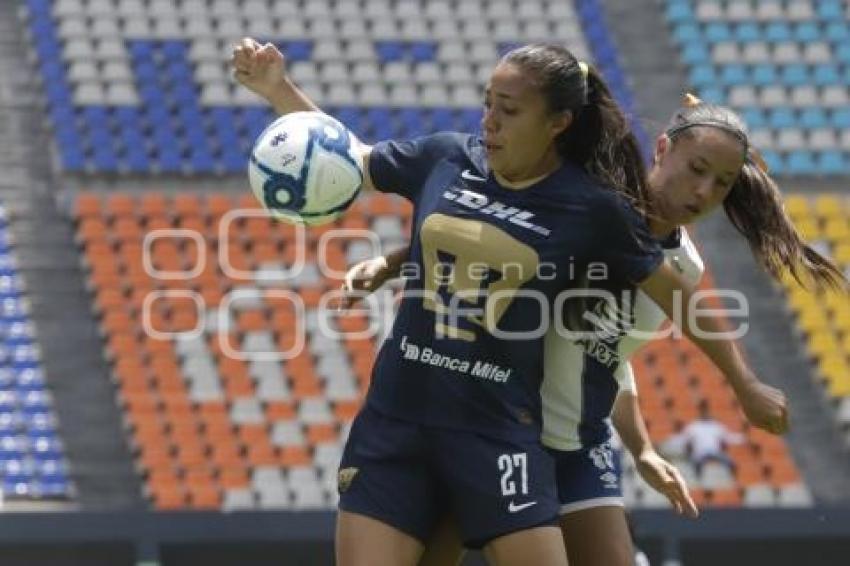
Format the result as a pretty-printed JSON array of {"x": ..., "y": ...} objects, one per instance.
[{"x": 582, "y": 377}]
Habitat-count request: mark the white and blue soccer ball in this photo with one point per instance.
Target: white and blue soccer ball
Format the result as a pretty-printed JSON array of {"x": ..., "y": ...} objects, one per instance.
[{"x": 304, "y": 168}]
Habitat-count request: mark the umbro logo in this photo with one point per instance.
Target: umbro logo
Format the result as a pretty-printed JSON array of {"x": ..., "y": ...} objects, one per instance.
[
  {"x": 467, "y": 174},
  {"x": 514, "y": 508}
]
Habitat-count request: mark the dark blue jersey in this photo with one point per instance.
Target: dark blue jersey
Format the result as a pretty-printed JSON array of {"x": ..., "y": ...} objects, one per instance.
[{"x": 466, "y": 349}]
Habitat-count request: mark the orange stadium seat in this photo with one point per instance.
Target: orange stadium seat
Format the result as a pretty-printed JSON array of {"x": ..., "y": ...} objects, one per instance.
[{"x": 193, "y": 451}]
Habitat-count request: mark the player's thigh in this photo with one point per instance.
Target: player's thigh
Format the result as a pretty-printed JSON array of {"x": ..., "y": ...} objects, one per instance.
[
  {"x": 388, "y": 499},
  {"x": 497, "y": 486},
  {"x": 598, "y": 536},
  {"x": 445, "y": 547},
  {"x": 364, "y": 541},
  {"x": 542, "y": 546}
]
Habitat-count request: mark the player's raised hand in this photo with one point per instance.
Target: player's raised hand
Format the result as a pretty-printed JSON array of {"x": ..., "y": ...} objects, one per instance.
[
  {"x": 765, "y": 407},
  {"x": 260, "y": 68},
  {"x": 665, "y": 478}
]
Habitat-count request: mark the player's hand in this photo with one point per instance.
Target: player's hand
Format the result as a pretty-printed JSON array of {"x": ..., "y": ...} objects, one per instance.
[
  {"x": 363, "y": 278},
  {"x": 665, "y": 478},
  {"x": 261, "y": 68},
  {"x": 765, "y": 407}
]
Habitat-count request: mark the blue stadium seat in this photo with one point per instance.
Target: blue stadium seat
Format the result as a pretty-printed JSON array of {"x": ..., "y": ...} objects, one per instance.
[
  {"x": 389, "y": 50},
  {"x": 73, "y": 159},
  {"x": 795, "y": 75},
  {"x": 778, "y": 32},
  {"x": 733, "y": 75},
  {"x": 826, "y": 74},
  {"x": 807, "y": 32},
  {"x": 842, "y": 53},
  {"x": 234, "y": 161},
  {"x": 831, "y": 162},
  {"x": 470, "y": 119},
  {"x": 830, "y": 10},
  {"x": 782, "y": 118},
  {"x": 36, "y": 7},
  {"x": 754, "y": 117},
  {"x": 47, "y": 448},
  {"x": 686, "y": 33},
  {"x": 442, "y": 119},
  {"x": 840, "y": 118},
  {"x": 813, "y": 117},
  {"x": 676, "y": 13},
  {"x": 716, "y": 32},
  {"x": 140, "y": 50},
  {"x": 747, "y": 32},
  {"x": 422, "y": 51},
  {"x": 298, "y": 50},
  {"x": 104, "y": 158},
  {"x": 801, "y": 162},
  {"x": 696, "y": 54},
  {"x": 703, "y": 76},
  {"x": 764, "y": 74},
  {"x": 174, "y": 49},
  {"x": 713, "y": 94},
  {"x": 836, "y": 31},
  {"x": 44, "y": 421}
]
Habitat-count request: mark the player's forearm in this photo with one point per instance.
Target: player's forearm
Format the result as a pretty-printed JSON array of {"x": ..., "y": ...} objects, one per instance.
[
  {"x": 709, "y": 332},
  {"x": 395, "y": 260},
  {"x": 630, "y": 425},
  {"x": 286, "y": 97}
]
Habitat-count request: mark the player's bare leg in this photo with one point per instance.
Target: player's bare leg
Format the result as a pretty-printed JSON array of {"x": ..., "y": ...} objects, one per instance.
[
  {"x": 363, "y": 541},
  {"x": 541, "y": 546},
  {"x": 598, "y": 537}
]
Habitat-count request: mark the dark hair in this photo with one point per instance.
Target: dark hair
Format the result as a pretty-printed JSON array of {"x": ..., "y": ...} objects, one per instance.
[
  {"x": 754, "y": 204},
  {"x": 599, "y": 138}
]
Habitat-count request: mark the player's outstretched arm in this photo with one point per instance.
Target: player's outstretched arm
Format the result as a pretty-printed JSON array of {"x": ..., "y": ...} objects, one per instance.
[
  {"x": 661, "y": 475},
  {"x": 262, "y": 69},
  {"x": 766, "y": 407}
]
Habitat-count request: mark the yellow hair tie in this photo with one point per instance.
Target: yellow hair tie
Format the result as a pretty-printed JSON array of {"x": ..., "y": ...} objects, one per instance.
[
  {"x": 584, "y": 68},
  {"x": 690, "y": 100}
]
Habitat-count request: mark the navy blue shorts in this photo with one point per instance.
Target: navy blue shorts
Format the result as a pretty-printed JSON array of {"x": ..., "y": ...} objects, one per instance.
[
  {"x": 409, "y": 475},
  {"x": 590, "y": 477}
]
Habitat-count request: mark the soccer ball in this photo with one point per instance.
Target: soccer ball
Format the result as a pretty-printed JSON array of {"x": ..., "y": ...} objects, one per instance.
[{"x": 304, "y": 169}]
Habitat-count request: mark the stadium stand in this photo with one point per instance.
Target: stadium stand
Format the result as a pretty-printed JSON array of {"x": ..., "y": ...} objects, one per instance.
[
  {"x": 784, "y": 66},
  {"x": 33, "y": 465},
  {"x": 217, "y": 431},
  {"x": 144, "y": 88},
  {"x": 823, "y": 317},
  {"x": 135, "y": 88}
]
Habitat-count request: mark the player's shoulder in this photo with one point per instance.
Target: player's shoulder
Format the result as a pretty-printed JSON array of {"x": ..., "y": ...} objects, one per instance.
[
  {"x": 452, "y": 143},
  {"x": 681, "y": 250}
]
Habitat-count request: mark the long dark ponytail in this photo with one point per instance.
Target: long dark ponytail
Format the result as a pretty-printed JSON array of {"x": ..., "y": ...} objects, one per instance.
[{"x": 599, "y": 138}]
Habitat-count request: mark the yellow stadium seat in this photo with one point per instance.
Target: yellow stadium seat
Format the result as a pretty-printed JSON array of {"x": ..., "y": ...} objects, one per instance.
[
  {"x": 839, "y": 387},
  {"x": 841, "y": 321},
  {"x": 837, "y": 230},
  {"x": 829, "y": 206},
  {"x": 801, "y": 300},
  {"x": 841, "y": 254},
  {"x": 813, "y": 320},
  {"x": 823, "y": 343},
  {"x": 809, "y": 229},
  {"x": 834, "y": 365},
  {"x": 797, "y": 206}
]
